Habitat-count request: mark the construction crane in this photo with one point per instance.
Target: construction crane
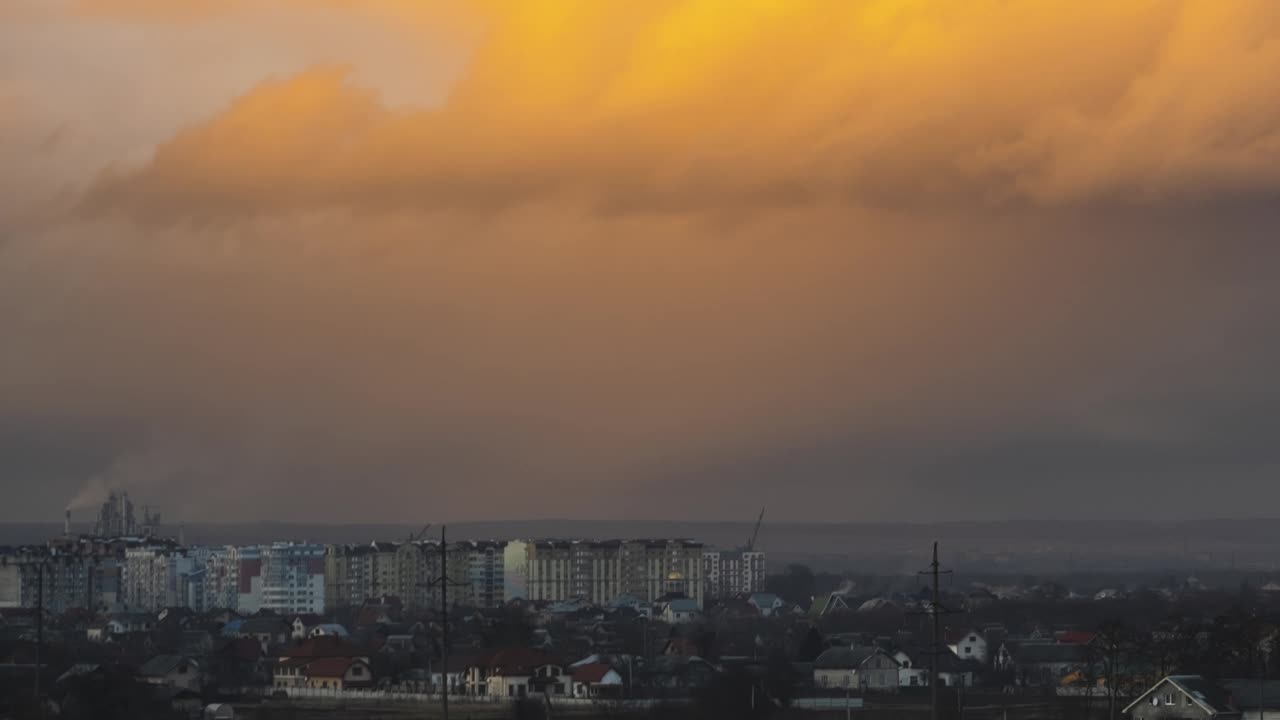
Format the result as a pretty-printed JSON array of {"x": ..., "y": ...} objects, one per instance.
[
  {"x": 420, "y": 534},
  {"x": 751, "y": 544}
]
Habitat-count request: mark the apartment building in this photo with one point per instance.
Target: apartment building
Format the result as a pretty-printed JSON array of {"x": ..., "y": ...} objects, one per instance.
[
  {"x": 154, "y": 576},
  {"x": 485, "y": 579},
  {"x": 233, "y": 579},
  {"x": 732, "y": 572},
  {"x": 357, "y": 573},
  {"x": 69, "y": 580},
  {"x": 601, "y": 570},
  {"x": 293, "y": 578}
]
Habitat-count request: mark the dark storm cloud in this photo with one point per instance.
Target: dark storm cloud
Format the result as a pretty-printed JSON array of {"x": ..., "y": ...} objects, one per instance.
[{"x": 588, "y": 285}]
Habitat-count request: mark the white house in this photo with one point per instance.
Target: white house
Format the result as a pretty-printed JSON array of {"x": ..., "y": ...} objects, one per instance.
[
  {"x": 968, "y": 645},
  {"x": 596, "y": 680},
  {"x": 331, "y": 629},
  {"x": 766, "y": 603},
  {"x": 516, "y": 672},
  {"x": 910, "y": 672},
  {"x": 859, "y": 668},
  {"x": 1183, "y": 697},
  {"x": 119, "y": 624},
  {"x": 302, "y": 625},
  {"x": 679, "y": 611}
]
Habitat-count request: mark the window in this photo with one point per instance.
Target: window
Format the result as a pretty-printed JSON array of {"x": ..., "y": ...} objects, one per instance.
[
  {"x": 357, "y": 671},
  {"x": 968, "y": 650},
  {"x": 1170, "y": 699}
]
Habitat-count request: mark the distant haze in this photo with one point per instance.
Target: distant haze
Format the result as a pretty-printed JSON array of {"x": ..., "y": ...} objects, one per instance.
[{"x": 398, "y": 261}]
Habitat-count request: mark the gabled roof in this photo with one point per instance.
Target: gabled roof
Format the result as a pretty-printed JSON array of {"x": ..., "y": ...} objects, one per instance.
[
  {"x": 680, "y": 646},
  {"x": 78, "y": 670},
  {"x": 682, "y": 605},
  {"x": 517, "y": 661},
  {"x": 1207, "y": 696},
  {"x": 591, "y": 672},
  {"x": 331, "y": 667},
  {"x": 324, "y": 646},
  {"x": 161, "y": 665},
  {"x": 263, "y": 626},
  {"x": 331, "y": 629},
  {"x": 1074, "y": 637},
  {"x": 828, "y": 602},
  {"x": 764, "y": 600},
  {"x": 954, "y": 637},
  {"x": 844, "y": 658},
  {"x": 1048, "y": 653}
]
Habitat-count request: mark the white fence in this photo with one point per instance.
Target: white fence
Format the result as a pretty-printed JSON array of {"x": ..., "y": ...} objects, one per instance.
[
  {"x": 397, "y": 696},
  {"x": 826, "y": 703}
]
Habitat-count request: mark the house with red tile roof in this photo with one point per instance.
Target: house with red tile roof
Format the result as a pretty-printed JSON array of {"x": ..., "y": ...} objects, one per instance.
[
  {"x": 596, "y": 680},
  {"x": 322, "y": 662},
  {"x": 340, "y": 673},
  {"x": 517, "y": 672}
]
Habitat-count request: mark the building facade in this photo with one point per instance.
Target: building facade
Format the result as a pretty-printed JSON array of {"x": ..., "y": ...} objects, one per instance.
[
  {"x": 601, "y": 571},
  {"x": 727, "y": 573},
  {"x": 233, "y": 579},
  {"x": 358, "y": 573},
  {"x": 485, "y": 562},
  {"x": 293, "y": 578},
  {"x": 156, "y": 576}
]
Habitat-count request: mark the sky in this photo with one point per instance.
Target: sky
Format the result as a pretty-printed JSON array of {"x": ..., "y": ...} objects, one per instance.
[{"x": 854, "y": 260}]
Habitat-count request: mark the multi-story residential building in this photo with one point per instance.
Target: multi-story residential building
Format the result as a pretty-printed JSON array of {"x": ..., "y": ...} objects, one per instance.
[
  {"x": 155, "y": 576},
  {"x": 293, "y": 578},
  {"x": 732, "y": 572},
  {"x": 233, "y": 579},
  {"x": 77, "y": 572},
  {"x": 357, "y": 573},
  {"x": 69, "y": 580},
  {"x": 601, "y": 571},
  {"x": 417, "y": 570},
  {"x": 194, "y": 593},
  {"x": 515, "y": 566},
  {"x": 484, "y": 576}
]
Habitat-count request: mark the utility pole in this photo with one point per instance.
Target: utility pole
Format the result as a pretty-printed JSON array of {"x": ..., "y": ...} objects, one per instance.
[
  {"x": 39, "y": 629},
  {"x": 444, "y": 582},
  {"x": 935, "y": 611}
]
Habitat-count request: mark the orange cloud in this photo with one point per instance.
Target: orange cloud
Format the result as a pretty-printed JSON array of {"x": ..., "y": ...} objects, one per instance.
[{"x": 703, "y": 103}]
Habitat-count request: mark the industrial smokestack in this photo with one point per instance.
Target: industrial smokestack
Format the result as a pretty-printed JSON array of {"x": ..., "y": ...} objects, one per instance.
[{"x": 66, "y": 523}]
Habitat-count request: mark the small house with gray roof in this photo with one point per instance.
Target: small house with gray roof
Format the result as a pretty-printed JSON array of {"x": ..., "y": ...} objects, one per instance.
[{"x": 1183, "y": 697}]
